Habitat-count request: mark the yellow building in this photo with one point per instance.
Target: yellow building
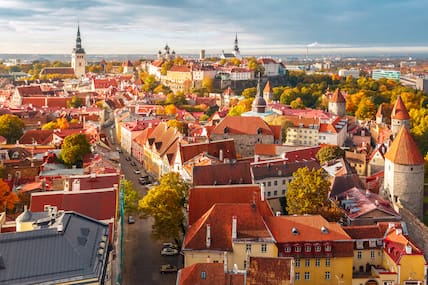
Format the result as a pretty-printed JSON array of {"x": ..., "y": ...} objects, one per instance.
[
  {"x": 228, "y": 233},
  {"x": 322, "y": 251},
  {"x": 179, "y": 75}
]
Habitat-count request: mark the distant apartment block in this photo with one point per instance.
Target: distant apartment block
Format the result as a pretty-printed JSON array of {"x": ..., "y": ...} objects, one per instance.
[
  {"x": 388, "y": 74},
  {"x": 418, "y": 83},
  {"x": 355, "y": 73}
]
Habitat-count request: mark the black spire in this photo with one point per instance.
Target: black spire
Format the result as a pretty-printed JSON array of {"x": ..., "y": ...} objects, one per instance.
[
  {"x": 236, "y": 48},
  {"x": 78, "y": 48}
]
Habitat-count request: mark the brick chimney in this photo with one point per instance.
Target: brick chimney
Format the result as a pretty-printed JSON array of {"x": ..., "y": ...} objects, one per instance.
[
  {"x": 234, "y": 222},
  {"x": 208, "y": 238}
]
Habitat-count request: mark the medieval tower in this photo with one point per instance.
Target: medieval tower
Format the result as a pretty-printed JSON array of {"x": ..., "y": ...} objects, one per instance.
[
  {"x": 268, "y": 92},
  {"x": 399, "y": 117},
  {"x": 337, "y": 104},
  {"x": 259, "y": 103},
  {"x": 78, "y": 57},
  {"x": 404, "y": 174}
]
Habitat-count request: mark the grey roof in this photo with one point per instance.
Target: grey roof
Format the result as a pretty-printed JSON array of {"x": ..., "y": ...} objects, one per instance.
[
  {"x": 66, "y": 251},
  {"x": 281, "y": 170}
]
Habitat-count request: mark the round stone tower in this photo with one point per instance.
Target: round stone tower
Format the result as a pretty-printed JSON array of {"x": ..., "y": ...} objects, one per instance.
[
  {"x": 337, "y": 104},
  {"x": 404, "y": 174}
]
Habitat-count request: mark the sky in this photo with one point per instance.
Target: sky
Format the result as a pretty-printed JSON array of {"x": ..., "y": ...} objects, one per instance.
[{"x": 263, "y": 27}]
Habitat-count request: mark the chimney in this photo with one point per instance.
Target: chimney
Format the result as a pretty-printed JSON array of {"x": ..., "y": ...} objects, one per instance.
[
  {"x": 225, "y": 261},
  {"x": 262, "y": 192},
  {"x": 220, "y": 155},
  {"x": 66, "y": 184},
  {"x": 408, "y": 249},
  {"x": 76, "y": 185},
  {"x": 208, "y": 238},
  {"x": 368, "y": 193},
  {"x": 234, "y": 222}
]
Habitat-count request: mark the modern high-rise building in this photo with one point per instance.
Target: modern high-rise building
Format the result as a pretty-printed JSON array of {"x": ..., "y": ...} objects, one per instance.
[{"x": 78, "y": 57}]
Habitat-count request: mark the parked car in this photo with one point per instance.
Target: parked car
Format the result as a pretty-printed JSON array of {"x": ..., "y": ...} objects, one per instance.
[
  {"x": 131, "y": 220},
  {"x": 169, "y": 245},
  {"x": 169, "y": 251},
  {"x": 128, "y": 158},
  {"x": 137, "y": 171},
  {"x": 168, "y": 268},
  {"x": 133, "y": 163}
]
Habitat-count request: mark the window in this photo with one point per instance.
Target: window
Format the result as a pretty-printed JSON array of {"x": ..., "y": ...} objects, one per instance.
[
  {"x": 307, "y": 248},
  {"x": 327, "y": 262},
  {"x": 307, "y": 262},
  {"x": 307, "y": 275},
  {"x": 317, "y": 262},
  {"x": 372, "y": 243},
  {"x": 263, "y": 247},
  {"x": 297, "y": 276},
  {"x": 287, "y": 249},
  {"x": 275, "y": 183},
  {"x": 317, "y": 248},
  {"x": 360, "y": 244},
  {"x": 269, "y": 184},
  {"x": 297, "y": 262},
  {"x": 283, "y": 181},
  {"x": 297, "y": 248},
  {"x": 245, "y": 264},
  {"x": 248, "y": 247},
  {"x": 327, "y": 275},
  {"x": 328, "y": 247},
  {"x": 203, "y": 275},
  {"x": 372, "y": 254},
  {"x": 275, "y": 193},
  {"x": 283, "y": 192},
  {"x": 269, "y": 193},
  {"x": 359, "y": 255}
]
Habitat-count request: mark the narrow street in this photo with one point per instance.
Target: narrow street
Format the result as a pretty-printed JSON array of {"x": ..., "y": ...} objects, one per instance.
[{"x": 142, "y": 259}]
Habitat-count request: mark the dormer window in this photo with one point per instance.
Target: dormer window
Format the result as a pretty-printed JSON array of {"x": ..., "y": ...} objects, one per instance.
[
  {"x": 308, "y": 248},
  {"x": 324, "y": 230},
  {"x": 294, "y": 231},
  {"x": 297, "y": 248},
  {"x": 317, "y": 248},
  {"x": 259, "y": 131},
  {"x": 287, "y": 248},
  {"x": 226, "y": 130},
  {"x": 327, "y": 247}
]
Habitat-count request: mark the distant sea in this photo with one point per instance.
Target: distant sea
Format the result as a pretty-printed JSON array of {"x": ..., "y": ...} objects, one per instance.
[{"x": 284, "y": 57}]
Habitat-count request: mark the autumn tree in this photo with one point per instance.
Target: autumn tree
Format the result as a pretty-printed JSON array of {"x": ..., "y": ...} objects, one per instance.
[
  {"x": 11, "y": 127},
  {"x": 74, "y": 148},
  {"x": 366, "y": 110},
  {"x": 170, "y": 109},
  {"x": 131, "y": 197},
  {"x": 181, "y": 126},
  {"x": 207, "y": 84},
  {"x": 242, "y": 107},
  {"x": 75, "y": 102},
  {"x": 165, "y": 204},
  {"x": 8, "y": 199},
  {"x": 329, "y": 152},
  {"x": 249, "y": 92},
  {"x": 150, "y": 83},
  {"x": 307, "y": 192}
]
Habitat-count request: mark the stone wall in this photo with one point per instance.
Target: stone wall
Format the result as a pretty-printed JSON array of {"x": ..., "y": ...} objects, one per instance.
[{"x": 418, "y": 231}]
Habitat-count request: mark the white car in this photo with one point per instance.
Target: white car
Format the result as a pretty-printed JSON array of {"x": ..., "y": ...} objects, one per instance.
[{"x": 169, "y": 251}]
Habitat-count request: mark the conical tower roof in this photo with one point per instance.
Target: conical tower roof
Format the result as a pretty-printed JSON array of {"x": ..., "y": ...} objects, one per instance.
[
  {"x": 268, "y": 88},
  {"x": 337, "y": 97},
  {"x": 404, "y": 150},
  {"x": 399, "y": 112}
]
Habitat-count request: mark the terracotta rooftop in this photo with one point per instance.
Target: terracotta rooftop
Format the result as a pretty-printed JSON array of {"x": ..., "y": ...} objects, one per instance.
[
  {"x": 285, "y": 169},
  {"x": 208, "y": 274},
  {"x": 213, "y": 148},
  {"x": 270, "y": 271},
  {"x": 268, "y": 88},
  {"x": 222, "y": 174},
  {"x": 337, "y": 97},
  {"x": 404, "y": 150},
  {"x": 364, "y": 232},
  {"x": 396, "y": 243},
  {"x": 202, "y": 198},
  {"x": 243, "y": 126},
  {"x": 399, "y": 112},
  {"x": 249, "y": 226}
]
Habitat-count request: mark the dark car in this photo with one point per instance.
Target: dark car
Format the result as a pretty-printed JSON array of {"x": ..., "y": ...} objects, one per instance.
[
  {"x": 131, "y": 220},
  {"x": 128, "y": 158},
  {"x": 133, "y": 163},
  {"x": 143, "y": 181}
]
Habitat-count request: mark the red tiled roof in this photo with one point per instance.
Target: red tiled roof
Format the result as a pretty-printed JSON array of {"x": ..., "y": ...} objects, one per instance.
[
  {"x": 250, "y": 225},
  {"x": 242, "y": 125},
  {"x": 270, "y": 271},
  {"x": 268, "y": 88},
  {"x": 212, "y": 148},
  {"x": 266, "y": 60},
  {"x": 213, "y": 275},
  {"x": 100, "y": 205},
  {"x": 34, "y": 90},
  {"x": 92, "y": 182},
  {"x": 202, "y": 198},
  {"x": 395, "y": 245},
  {"x": 404, "y": 150},
  {"x": 308, "y": 227},
  {"x": 337, "y": 97},
  {"x": 36, "y": 136},
  {"x": 286, "y": 169},
  {"x": 265, "y": 149},
  {"x": 104, "y": 83},
  {"x": 399, "y": 112},
  {"x": 364, "y": 232},
  {"x": 180, "y": 68},
  {"x": 222, "y": 174}
]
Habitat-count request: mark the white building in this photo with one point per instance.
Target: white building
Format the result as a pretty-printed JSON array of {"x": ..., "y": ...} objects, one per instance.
[{"x": 355, "y": 73}]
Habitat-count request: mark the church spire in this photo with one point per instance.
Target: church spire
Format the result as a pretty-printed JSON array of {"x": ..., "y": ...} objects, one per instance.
[
  {"x": 236, "y": 48},
  {"x": 78, "y": 39}
]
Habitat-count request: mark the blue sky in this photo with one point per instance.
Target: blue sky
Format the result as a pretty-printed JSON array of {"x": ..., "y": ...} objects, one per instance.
[{"x": 263, "y": 27}]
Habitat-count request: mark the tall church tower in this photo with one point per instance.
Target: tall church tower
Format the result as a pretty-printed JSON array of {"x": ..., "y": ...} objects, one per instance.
[
  {"x": 337, "y": 104},
  {"x": 236, "y": 48},
  {"x": 399, "y": 117},
  {"x": 404, "y": 174},
  {"x": 268, "y": 92},
  {"x": 78, "y": 57},
  {"x": 259, "y": 103}
]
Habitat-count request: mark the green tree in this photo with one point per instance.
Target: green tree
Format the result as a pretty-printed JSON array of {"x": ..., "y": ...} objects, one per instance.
[
  {"x": 307, "y": 192},
  {"x": 75, "y": 102},
  {"x": 329, "y": 152},
  {"x": 150, "y": 83},
  {"x": 74, "y": 148},
  {"x": 131, "y": 197},
  {"x": 11, "y": 127},
  {"x": 165, "y": 204}
]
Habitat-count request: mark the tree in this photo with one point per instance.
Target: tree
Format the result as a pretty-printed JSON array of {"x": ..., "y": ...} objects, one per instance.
[
  {"x": 165, "y": 204},
  {"x": 181, "y": 126},
  {"x": 75, "y": 102},
  {"x": 366, "y": 109},
  {"x": 329, "y": 152},
  {"x": 150, "y": 83},
  {"x": 8, "y": 199},
  {"x": 170, "y": 109},
  {"x": 74, "y": 148},
  {"x": 307, "y": 192},
  {"x": 207, "y": 84},
  {"x": 249, "y": 92},
  {"x": 11, "y": 127},
  {"x": 131, "y": 197}
]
